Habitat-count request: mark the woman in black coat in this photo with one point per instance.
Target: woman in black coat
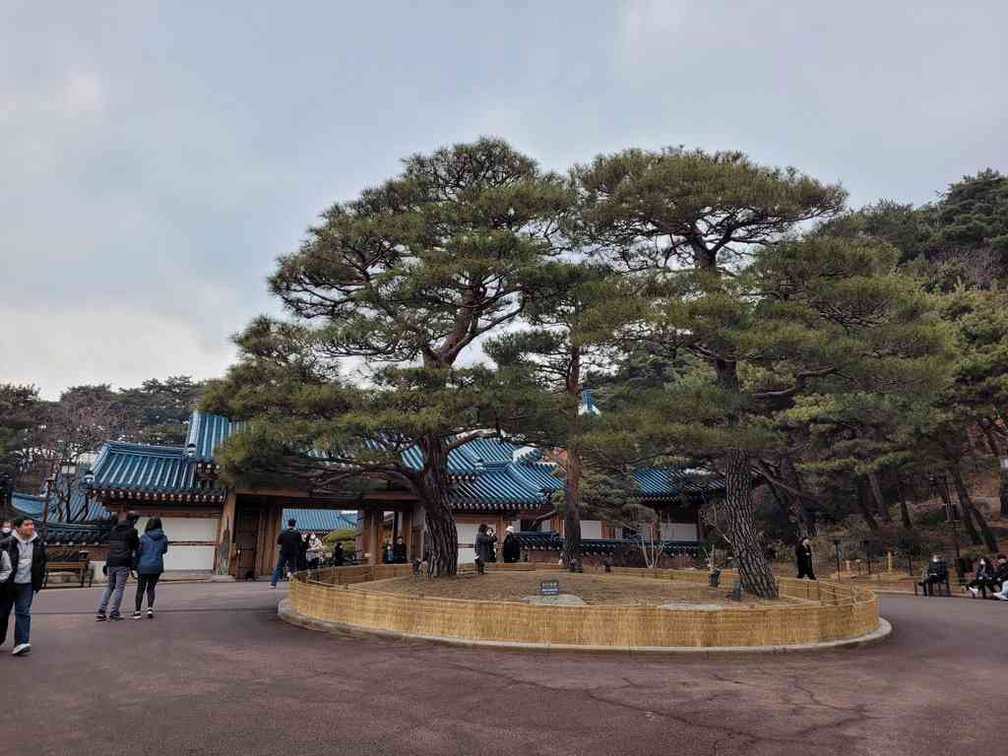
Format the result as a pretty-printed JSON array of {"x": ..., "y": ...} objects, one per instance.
[
  {"x": 803, "y": 553},
  {"x": 511, "y": 549}
]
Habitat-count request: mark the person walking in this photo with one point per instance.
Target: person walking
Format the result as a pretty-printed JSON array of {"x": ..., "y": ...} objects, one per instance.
[
  {"x": 511, "y": 549},
  {"x": 482, "y": 546},
  {"x": 290, "y": 550},
  {"x": 149, "y": 564},
  {"x": 122, "y": 545},
  {"x": 22, "y": 572},
  {"x": 803, "y": 554}
]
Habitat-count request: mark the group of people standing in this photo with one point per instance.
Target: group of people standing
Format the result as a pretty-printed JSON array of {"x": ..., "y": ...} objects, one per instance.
[
  {"x": 302, "y": 552},
  {"x": 128, "y": 551},
  {"x": 485, "y": 546}
]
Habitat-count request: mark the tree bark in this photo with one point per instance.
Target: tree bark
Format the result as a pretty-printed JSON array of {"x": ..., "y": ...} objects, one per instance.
[
  {"x": 572, "y": 487},
  {"x": 880, "y": 502},
  {"x": 804, "y": 519},
  {"x": 572, "y": 511},
  {"x": 904, "y": 508},
  {"x": 966, "y": 504},
  {"x": 862, "y": 506},
  {"x": 440, "y": 533},
  {"x": 747, "y": 545},
  {"x": 1001, "y": 460},
  {"x": 940, "y": 482}
]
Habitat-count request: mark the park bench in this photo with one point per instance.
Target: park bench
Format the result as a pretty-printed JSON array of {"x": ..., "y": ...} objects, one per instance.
[
  {"x": 78, "y": 563},
  {"x": 935, "y": 589}
]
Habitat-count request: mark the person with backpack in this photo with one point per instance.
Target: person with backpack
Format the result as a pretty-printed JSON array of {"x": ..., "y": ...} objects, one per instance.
[
  {"x": 122, "y": 545},
  {"x": 149, "y": 564}
]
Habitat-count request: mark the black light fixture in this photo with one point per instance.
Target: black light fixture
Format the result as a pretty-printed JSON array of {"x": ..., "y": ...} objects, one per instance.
[
  {"x": 88, "y": 479},
  {"x": 190, "y": 451}
]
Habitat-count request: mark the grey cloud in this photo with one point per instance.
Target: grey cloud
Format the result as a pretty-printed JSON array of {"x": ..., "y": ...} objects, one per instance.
[{"x": 156, "y": 157}]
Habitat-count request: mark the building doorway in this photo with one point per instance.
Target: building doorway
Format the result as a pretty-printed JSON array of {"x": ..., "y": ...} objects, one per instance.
[{"x": 246, "y": 539}]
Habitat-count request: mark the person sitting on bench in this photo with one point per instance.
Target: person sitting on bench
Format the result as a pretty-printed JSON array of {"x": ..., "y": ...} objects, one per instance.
[
  {"x": 983, "y": 579},
  {"x": 936, "y": 572},
  {"x": 1000, "y": 578}
]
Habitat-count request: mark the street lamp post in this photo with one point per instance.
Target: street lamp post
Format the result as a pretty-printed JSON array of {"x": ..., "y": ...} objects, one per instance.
[
  {"x": 87, "y": 483},
  {"x": 45, "y": 505},
  {"x": 6, "y": 491}
]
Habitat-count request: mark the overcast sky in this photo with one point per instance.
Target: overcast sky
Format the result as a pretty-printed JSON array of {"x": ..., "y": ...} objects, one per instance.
[{"x": 156, "y": 157}]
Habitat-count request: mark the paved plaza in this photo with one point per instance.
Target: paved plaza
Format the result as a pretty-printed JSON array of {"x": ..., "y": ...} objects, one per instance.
[{"x": 218, "y": 673}]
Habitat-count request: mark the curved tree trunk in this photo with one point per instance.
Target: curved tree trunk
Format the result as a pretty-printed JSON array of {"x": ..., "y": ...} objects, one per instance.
[
  {"x": 862, "y": 506},
  {"x": 804, "y": 519},
  {"x": 746, "y": 543},
  {"x": 966, "y": 504},
  {"x": 904, "y": 508},
  {"x": 940, "y": 483},
  {"x": 880, "y": 502},
  {"x": 440, "y": 534}
]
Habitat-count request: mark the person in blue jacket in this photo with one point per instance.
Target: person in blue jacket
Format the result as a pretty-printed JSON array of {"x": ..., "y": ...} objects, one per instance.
[{"x": 149, "y": 564}]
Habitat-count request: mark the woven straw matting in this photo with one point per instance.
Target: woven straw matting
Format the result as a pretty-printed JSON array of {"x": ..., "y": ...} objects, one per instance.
[{"x": 827, "y": 611}]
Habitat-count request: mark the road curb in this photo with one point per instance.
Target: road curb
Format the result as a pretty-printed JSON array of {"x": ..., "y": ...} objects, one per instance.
[{"x": 289, "y": 615}]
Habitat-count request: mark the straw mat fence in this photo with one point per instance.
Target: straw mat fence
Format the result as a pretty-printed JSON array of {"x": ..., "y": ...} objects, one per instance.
[{"x": 824, "y": 611}]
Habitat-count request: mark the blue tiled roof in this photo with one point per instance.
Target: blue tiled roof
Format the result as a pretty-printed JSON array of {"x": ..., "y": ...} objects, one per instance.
[
  {"x": 551, "y": 541},
  {"x": 671, "y": 482},
  {"x": 319, "y": 520},
  {"x": 153, "y": 470},
  {"x": 32, "y": 506},
  {"x": 208, "y": 431}
]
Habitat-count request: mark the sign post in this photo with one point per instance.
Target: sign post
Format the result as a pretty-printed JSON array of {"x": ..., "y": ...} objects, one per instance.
[{"x": 549, "y": 588}]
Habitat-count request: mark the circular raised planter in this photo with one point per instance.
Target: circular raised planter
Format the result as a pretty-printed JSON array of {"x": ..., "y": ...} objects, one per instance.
[{"x": 820, "y": 614}]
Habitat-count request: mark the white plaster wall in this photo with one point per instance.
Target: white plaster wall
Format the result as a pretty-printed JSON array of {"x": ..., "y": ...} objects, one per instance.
[
  {"x": 466, "y": 538},
  {"x": 591, "y": 529},
  {"x": 679, "y": 531},
  {"x": 187, "y": 529}
]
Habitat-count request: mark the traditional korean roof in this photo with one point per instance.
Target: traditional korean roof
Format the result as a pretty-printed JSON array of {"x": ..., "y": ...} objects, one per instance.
[
  {"x": 320, "y": 520},
  {"x": 673, "y": 482},
  {"x": 151, "y": 472},
  {"x": 551, "y": 541},
  {"x": 82, "y": 509},
  {"x": 78, "y": 534}
]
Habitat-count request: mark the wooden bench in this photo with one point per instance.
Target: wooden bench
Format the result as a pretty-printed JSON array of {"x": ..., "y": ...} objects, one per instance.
[
  {"x": 80, "y": 564},
  {"x": 935, "y": 589}
]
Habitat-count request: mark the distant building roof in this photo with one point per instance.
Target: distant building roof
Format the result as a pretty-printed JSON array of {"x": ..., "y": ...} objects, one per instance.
[{"x": 319, "y": 520}]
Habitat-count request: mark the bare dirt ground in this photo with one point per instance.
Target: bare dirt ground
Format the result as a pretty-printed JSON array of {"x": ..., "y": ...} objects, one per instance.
[{"x": 592, "y": 588}]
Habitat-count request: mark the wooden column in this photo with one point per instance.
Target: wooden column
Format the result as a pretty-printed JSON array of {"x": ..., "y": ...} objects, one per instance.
[
  {"x": 407, "y": 533},
  {"x": 373, "y": 534},
  {"x": 225, "y": 535}
]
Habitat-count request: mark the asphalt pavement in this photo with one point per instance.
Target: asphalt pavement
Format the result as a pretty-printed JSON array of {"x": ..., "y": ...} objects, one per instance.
[{"x": 216, "y": 672}]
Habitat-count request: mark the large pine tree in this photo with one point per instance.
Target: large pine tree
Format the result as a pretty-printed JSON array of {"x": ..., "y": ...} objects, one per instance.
[
  {"x": 768, "y": 315},
  {"x": 406, "y": 277}
]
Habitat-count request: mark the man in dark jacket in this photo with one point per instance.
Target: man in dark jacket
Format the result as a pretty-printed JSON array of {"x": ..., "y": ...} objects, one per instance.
[
  {"x": 122, "y": 545},
  {"x": 337, "y": 555},
  {"x": 290, "y": 550},
  {"x": 22, "y": 572},
  {"x": 803, "y": 553}
]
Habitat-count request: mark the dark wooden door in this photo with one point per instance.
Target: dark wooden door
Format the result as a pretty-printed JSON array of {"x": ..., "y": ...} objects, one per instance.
[{"x": 246, "y": 538}]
